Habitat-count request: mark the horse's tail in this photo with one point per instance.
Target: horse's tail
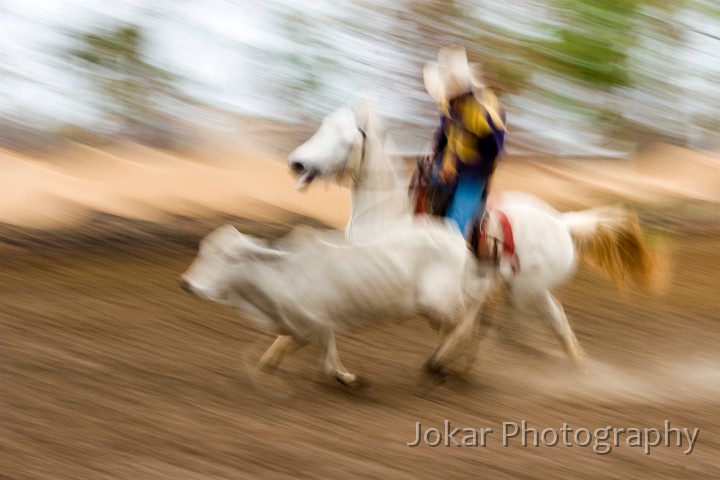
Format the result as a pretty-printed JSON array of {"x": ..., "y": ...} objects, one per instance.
[{"x": 610, "y": 239}]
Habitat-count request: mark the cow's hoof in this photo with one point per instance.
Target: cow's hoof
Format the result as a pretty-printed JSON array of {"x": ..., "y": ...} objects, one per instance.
[{"x": 353, "y": 381}]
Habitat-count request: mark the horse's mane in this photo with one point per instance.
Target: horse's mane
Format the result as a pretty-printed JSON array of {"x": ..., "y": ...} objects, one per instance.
[{"x": 377, "y": 132}]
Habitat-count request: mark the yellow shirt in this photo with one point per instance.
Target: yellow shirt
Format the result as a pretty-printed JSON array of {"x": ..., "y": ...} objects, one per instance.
[{"x": 469, "y": 124}]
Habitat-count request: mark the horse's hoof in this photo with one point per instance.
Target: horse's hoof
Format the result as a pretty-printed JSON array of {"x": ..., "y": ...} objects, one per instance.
[
  {"x": 432, "y": 368},
  {"x": 436, "y": 372},
  {"x": 580, "y": 364},
  {"x": 578, "y": 359}
]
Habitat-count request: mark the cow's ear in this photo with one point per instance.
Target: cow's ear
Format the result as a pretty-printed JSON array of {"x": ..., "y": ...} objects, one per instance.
[
  {"x": 219, "y": 238},
  {"x": 246, "y": 246}
]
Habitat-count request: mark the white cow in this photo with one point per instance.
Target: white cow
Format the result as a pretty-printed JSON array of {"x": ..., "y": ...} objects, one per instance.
[{"x": 319, "y": 283}]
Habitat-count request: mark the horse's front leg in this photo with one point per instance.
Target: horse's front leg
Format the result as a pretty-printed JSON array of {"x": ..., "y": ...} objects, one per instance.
[{"x": 463, "y": 328}]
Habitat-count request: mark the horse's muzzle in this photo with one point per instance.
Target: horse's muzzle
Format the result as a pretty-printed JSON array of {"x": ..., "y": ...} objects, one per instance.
[
  {"x": 305, "y": 175},
  {"x": 297, "y": 167}
]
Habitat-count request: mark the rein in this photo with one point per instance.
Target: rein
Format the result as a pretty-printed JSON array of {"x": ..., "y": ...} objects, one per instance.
[
  {"x": 357, "y": 180},
  {"x": 362, "y": 154},
  {"x": 391, "y": 172}
]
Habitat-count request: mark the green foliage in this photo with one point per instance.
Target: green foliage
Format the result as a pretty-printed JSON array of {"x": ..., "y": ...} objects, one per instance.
[
  {"x": 307, "y": 63},
  {"x": 122, "y": 44},
  {"x": 592, "y": 42},
  {"x": 133, "y": 89}
]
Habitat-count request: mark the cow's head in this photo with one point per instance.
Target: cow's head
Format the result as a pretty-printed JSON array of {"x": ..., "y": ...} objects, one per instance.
[{"x": 222, "y": 259}]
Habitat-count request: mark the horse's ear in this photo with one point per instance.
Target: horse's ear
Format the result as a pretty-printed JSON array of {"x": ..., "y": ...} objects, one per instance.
[{"x": 363, "y": 109}]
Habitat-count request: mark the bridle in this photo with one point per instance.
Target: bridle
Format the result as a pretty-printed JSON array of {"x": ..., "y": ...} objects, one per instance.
[
  {"x": 362, "y": 156},
  {"x": 357, "y": 179}
]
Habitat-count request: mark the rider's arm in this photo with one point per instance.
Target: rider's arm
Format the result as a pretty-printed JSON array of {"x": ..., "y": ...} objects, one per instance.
[{"x": 439, "y": 139}]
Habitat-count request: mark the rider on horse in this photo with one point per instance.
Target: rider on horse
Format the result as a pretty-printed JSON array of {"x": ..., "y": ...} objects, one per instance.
[{"x": 453, "y": 180}]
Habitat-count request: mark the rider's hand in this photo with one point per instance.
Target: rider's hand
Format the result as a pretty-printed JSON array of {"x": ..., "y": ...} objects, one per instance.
[{"x": 448, "y": 174}]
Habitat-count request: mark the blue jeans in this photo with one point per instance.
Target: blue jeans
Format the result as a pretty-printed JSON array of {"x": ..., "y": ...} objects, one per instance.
[{"x": 467, "y": 200}]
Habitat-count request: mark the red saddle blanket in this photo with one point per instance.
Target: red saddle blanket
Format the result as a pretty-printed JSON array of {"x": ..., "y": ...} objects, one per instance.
[{"x": 491, "y": 239}]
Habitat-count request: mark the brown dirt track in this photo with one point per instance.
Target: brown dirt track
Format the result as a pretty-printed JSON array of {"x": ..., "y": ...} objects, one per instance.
[{"x": 110, "y": 371}]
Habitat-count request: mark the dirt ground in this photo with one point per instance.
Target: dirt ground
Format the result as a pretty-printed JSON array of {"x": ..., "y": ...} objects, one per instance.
[{"x": 110, "y": 371}]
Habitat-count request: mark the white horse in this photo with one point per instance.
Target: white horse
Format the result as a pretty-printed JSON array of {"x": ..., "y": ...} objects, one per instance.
[{"x": 350, "y": 142}]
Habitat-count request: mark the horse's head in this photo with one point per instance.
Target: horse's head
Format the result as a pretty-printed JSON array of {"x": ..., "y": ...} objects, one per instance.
[{"x": 334, "y": 150}]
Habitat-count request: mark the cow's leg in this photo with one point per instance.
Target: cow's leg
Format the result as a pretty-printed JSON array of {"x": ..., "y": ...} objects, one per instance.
[
  {"x": 273, "y": 356},
  {"x": 331, "y": 361}
]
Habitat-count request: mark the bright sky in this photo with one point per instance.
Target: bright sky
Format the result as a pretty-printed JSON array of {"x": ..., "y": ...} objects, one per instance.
[
  {"x": 198, "y": 40},
  {"x": 212, "y": 44}
]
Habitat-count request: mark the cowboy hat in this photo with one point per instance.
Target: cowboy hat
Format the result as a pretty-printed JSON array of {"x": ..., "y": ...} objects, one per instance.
[{"x": 451, "y": 75}]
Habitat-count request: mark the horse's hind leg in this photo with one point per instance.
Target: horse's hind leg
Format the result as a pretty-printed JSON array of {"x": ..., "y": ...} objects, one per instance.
[
  {"x": 553, "y": 313},
  {"x": 274, "y": 355}
]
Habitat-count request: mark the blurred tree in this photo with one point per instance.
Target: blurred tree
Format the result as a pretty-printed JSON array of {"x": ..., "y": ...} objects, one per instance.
[
  {"x": 589, "y": 47},
  {"x": 136, "y": 93},
  {"x": 629, "y": 65},
  {"x": 592, "y": 41},
  {"x": 704, "y": 122},
  {"x": 304, "y": 68},
  {"x": 624, "y": 67}
]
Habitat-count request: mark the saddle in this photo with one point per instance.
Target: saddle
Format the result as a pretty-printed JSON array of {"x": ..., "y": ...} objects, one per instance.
[{"x": 491, "y": 240}]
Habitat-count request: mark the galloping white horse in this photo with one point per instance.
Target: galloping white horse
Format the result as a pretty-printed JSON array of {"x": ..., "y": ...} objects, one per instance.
[{"x": 350, "y": 142}]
